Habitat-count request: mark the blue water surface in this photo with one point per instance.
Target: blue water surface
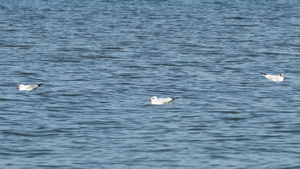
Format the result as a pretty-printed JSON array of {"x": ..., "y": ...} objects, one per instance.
[{"x": 102, "y": 60}]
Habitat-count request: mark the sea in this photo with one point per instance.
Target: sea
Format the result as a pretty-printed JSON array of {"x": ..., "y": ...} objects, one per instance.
[{"x": 100, "y": 61}]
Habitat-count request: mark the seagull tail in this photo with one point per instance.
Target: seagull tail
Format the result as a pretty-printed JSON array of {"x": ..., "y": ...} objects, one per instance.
[
  {"x": 263, "y": 74},
  {"x": 175, "y": 98},
  {"x": 40, "y": 84}
]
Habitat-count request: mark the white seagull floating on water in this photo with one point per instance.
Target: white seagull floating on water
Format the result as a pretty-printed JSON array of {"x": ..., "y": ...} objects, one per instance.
[
  {"x": 29, "y": 87},
  {"x": 155, "y": 100},
  {"x": 274, "y": 78}
]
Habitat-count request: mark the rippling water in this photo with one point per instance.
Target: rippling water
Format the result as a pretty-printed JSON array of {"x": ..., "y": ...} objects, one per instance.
[{"x": 101, "y": 61}]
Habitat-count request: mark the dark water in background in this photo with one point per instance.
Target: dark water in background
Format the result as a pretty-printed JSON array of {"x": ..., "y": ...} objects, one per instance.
[{"x": 101, "y": 61}]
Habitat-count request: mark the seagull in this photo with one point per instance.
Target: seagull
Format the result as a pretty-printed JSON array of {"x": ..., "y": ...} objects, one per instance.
[
  {"x": 274, "y": 78},
  {"x": 29, "y": 87},
  {"x": 155, "y": 100}
]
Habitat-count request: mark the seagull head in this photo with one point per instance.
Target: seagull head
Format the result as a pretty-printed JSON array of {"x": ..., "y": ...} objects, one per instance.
[
  {"x": 281, "y": 74},
  {"x": 21, "y": 85},
  {"x": 153, "y": 98}
]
